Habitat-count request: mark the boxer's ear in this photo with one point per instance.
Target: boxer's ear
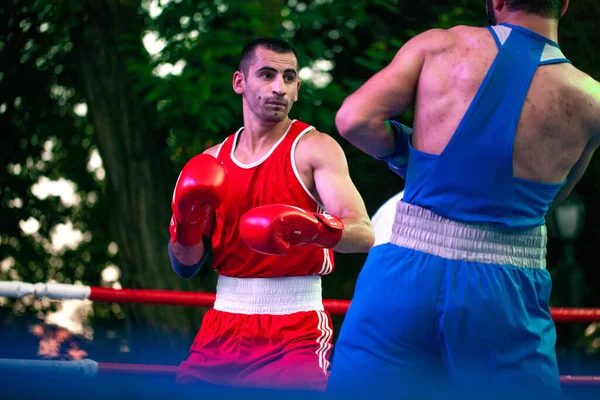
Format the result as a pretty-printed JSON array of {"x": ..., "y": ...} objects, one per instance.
[
  {"x": 499, "y": 5},
  {"x": 564, "y": 7}
]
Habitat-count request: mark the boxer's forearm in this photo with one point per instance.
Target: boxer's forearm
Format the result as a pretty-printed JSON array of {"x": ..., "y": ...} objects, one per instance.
[
  {"x": 357, "y": 237},
  {"x": 371, "y": 135}
]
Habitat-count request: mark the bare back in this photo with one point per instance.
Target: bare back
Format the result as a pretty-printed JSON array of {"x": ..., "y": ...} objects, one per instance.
[{"x": 560, "y": 120}]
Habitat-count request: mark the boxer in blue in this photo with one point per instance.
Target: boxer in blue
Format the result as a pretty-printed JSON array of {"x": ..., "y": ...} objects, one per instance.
[{"x": 504, "y": 127}]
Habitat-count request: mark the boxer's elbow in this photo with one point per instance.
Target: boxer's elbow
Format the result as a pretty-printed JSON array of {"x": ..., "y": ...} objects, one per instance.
[
  {"x": 349, "y": 123},
  {"x": 369, "y": 237},
  {"x": 367, "y": 133},
  {"x": 358, "y": 236}
]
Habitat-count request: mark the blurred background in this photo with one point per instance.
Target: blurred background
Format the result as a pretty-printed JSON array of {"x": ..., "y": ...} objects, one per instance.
[{"x": 103, "y": 101}]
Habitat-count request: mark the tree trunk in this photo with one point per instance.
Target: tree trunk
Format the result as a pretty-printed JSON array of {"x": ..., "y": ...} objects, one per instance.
[{"x": 139, "y": 179}]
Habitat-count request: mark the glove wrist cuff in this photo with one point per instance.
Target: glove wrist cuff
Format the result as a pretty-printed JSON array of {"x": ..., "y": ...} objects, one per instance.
[
  {"x": 185, "y": 234},
  {"x": 331, "y": 230},
  {"x": 329, "y": 239}
]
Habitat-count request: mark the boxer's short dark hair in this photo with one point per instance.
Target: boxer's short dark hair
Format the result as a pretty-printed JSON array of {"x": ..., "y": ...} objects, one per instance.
[
  {"x": 273, "y": 44},
  {"x": 544, "y": 8}
]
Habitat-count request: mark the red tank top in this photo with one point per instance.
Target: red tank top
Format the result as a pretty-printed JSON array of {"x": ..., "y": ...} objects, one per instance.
[{"x": 274, "y": 179}]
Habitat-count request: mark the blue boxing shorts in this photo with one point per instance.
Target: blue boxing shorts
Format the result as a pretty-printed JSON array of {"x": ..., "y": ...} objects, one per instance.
[{"x": 448, "y": 307}]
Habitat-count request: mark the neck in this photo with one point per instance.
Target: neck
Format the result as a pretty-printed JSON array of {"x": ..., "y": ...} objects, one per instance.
[
  {"x": 547, "y": 27},
  {"x": 258, "y": 134}
]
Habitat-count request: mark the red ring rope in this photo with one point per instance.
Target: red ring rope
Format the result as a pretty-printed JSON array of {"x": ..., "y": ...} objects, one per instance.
[
  {"x": 335, "y": 307},
  {"x": 195, "y": 299},
  {"x": 137, "y": 369},
  {"x": 165, "y": 297}
]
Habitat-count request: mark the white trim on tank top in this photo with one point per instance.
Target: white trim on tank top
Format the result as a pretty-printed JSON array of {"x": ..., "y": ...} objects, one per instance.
[
  {"x": 263, "y": 158},
  {"x": 326, "y": 268},
  {"x": 502, "y": 32},
  {"x": 550, "y": 52},
  {"x": 221, "y": 145}
]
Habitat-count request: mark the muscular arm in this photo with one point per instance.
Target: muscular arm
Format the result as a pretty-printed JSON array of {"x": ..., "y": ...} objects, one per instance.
[
  {"x": 336, "y": 191},
  {"x": 390, "y": 92},
  {"x": 576, "y": 173},
  {"x": 593, "y": 101},
  {"x": 186, "y": 261}
]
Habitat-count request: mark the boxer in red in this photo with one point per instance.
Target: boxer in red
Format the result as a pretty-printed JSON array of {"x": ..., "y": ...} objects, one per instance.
[{"x": 273, "y": 201}]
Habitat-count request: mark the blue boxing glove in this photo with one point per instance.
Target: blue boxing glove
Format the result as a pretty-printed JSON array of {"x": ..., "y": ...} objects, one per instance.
[{"x": 398, "y": 160}]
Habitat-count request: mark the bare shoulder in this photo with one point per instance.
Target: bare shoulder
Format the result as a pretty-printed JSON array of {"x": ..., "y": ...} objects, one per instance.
[
  {"x": 315, "y": 137},
  {"x": 434, "y": 36},
  {"x": 434, "y": 40},
  {"x": 582, "y": 92},
  {"x": 590, "y": 89},
  {"x": 316, "y": 147},
  {"x": 438, "y": 40},
  {"x": 212, "y": 150},
  {"x": 465, "y": 30}
]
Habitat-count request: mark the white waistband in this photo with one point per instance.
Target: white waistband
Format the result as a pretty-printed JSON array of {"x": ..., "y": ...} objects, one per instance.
[
  {"x": 275, "y": 296},
  {"x": 422, "y": 230}
]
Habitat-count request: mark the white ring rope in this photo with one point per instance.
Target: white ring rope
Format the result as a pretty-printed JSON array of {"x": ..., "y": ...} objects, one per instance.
[
  {"x": 80, "y": 367},
  {"x": 50, "y": 290}
]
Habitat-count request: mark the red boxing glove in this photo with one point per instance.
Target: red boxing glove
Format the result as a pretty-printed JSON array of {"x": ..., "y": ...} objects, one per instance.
[
  {"x": 200, "y": 188},
  {"x": 274, "y": 228}
]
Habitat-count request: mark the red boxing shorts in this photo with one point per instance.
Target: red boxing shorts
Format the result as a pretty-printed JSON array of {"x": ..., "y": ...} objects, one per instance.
[{"x": 263, "y": 332}]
